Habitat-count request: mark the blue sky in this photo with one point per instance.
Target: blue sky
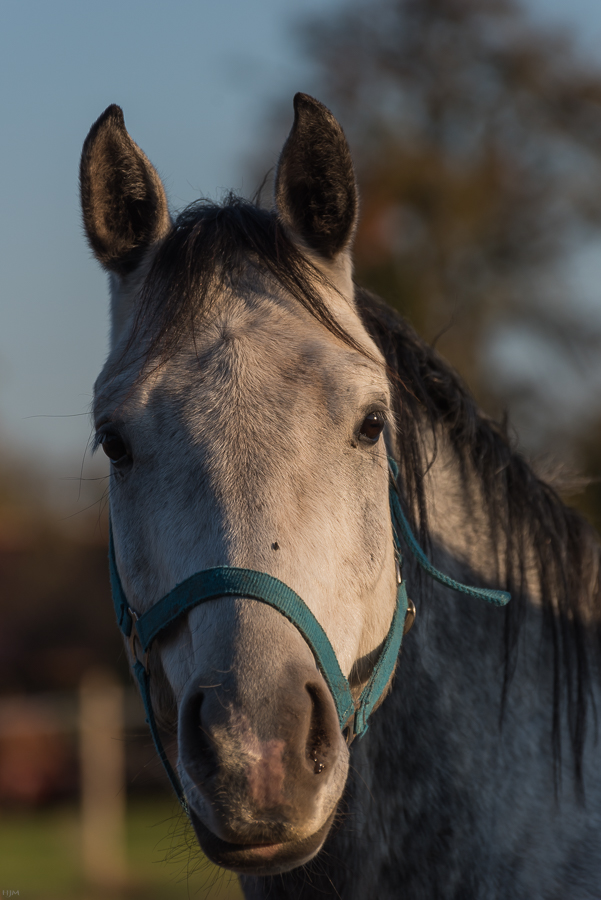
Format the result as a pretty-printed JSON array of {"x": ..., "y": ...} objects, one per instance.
[{"x": 196, "y": 80}]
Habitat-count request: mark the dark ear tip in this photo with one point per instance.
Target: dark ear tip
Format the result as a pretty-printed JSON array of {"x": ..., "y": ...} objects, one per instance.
[
  {"x": 115, "y": 113},
  {"x": 310, "y": 113},
  {"x": 112, "y": 116},
  {"x": 304, "y": 103},
  {"x": 301, "y": 100}
]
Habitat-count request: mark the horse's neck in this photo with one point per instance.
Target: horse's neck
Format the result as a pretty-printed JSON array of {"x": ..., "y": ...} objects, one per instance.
[{"x": 438, "y": 769}]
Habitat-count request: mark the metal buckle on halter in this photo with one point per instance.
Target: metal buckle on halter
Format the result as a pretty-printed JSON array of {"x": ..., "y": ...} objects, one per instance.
[
  {"x": 135, "y": 644},
  {"x": 409, "y": 616}
]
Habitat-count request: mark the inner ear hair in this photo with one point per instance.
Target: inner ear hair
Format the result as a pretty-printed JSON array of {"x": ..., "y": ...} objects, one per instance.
[
  {"x": 315, "y": 191},
  {"x": 123, "y": 201}
]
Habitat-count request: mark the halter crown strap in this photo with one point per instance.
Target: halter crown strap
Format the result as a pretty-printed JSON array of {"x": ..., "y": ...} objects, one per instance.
[{"x": 226, "y": 581}]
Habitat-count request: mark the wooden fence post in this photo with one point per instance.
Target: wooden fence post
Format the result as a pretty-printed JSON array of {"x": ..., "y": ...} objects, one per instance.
[{"x": 103, "y": 789}]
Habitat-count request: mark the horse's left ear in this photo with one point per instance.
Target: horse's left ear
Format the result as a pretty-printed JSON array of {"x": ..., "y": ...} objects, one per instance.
[{"x": 315, "y": 189}]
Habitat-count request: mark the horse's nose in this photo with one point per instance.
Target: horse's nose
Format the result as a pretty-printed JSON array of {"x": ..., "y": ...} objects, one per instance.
[{"x": 254, "y": 755}]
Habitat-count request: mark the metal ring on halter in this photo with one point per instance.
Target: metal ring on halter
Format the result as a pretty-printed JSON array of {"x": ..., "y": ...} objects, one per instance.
[{"x": 409, "y": 616}]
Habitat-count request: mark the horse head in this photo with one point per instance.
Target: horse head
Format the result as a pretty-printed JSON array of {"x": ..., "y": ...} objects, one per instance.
[{"x": 245, "y": 410}]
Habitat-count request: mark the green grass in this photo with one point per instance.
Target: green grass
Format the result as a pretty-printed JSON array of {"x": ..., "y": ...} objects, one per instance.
[{"x": 40, "y": 857}]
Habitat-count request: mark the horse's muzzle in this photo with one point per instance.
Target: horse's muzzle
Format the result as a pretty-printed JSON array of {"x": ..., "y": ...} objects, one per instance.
[
  {"x": 259, "y": 859},
  {"x": 263, "y": 774}
]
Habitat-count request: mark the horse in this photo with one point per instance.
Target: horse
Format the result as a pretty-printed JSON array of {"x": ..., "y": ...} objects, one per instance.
[{"x": 263, "y": 414}]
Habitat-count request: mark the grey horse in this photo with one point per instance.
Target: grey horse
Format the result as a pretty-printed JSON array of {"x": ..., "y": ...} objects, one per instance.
[{"x": 249, "y": 402}]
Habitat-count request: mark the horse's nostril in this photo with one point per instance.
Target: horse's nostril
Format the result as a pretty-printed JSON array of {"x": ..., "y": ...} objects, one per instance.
[
  {"x": 319, "y": 742},
  {"x": 318, "y": 766},
  {"x": 200, "y": 757}
]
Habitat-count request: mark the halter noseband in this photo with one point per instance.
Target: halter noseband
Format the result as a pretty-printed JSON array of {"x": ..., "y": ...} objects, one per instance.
[{"x": 228, "y": 581}]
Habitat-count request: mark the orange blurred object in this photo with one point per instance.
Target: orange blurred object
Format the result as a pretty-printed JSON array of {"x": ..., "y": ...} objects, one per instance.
[{"x": 36, "y": 754}]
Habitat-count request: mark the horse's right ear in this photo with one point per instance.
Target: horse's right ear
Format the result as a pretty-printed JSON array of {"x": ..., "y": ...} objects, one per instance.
[
  {"x": 122, "y": 197},
  {"x": 315, "y": 190}
]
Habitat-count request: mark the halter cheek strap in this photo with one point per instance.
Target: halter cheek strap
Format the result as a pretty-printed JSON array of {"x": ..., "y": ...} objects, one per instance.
[{"x": 226, "y": 581}]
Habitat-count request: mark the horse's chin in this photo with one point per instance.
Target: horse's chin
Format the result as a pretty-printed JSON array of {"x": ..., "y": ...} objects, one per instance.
[{"x": 259, "y": 859}]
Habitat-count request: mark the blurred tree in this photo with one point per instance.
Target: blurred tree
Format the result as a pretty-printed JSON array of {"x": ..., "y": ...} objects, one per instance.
[
  {"x": 477, "y": 141},
  {"x": 56, "y": 612}
]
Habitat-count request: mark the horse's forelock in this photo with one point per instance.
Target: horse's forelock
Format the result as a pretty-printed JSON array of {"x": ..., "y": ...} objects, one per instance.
[{"x": 210, "y": 247}]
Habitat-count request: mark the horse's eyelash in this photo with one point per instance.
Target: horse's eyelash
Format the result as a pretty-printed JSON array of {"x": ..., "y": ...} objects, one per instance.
[
  {"x": 96, "y": 442},
  {"x": 385, "y": 413}
]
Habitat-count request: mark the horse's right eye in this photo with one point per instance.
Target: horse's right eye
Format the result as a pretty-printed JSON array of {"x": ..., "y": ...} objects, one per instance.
[{"x": 114, "y": 447}]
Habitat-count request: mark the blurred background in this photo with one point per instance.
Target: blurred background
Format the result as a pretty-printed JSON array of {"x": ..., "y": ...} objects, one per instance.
[{"x": 476, "y": 130}]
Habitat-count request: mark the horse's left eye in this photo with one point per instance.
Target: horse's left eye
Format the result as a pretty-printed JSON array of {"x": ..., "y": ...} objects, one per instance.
[{"x": 372, "y": 427}]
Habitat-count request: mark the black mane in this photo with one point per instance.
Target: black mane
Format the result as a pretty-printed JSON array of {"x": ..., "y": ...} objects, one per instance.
[{"x": 209, "y": 246}]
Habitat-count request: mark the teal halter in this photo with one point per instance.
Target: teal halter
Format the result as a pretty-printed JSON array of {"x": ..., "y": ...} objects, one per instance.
[{"x": 228, "y": 581}]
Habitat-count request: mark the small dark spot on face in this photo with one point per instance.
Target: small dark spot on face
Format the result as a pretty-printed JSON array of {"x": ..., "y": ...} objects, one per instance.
[{"x": 275, "y": 546}]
